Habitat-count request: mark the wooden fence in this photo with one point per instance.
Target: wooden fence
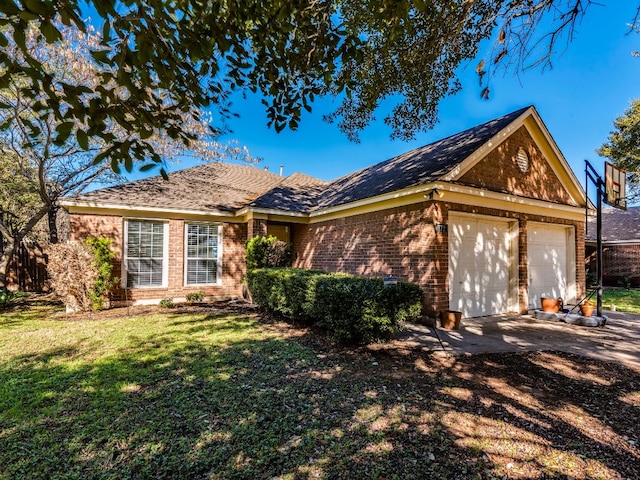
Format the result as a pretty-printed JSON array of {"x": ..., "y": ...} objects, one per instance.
[{"x": 28, "y": 269}]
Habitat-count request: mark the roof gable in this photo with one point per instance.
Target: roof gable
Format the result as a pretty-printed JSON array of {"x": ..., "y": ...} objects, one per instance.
[
  {"x": 554, "y": 168},
  {"x": 501, "y": 171},
  {"x": 422, "y": 165}
]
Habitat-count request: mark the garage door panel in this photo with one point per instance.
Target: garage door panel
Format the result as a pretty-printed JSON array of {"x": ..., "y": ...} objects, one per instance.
[
  {"x": 547, "y": 254},
  {"x": 479, "y": 266}
]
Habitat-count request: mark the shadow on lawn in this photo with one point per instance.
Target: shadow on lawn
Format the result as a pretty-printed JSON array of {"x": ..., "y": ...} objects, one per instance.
[
  {"x": 558, "y": 409},
  {"x": 185, "y": 408},
  {"x": 34, "y": 307}
]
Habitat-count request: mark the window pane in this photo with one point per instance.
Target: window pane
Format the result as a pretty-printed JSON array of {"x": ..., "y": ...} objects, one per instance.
[
  {"x": 201, "y": 271},
  {"x": 202, "y": 254},
  {"x": 145, "y": 253}
]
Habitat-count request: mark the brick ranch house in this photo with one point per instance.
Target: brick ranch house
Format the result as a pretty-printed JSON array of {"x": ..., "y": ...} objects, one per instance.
[
  {"x": 620, "y": 246},
  {"x": 486, "y": 221}
]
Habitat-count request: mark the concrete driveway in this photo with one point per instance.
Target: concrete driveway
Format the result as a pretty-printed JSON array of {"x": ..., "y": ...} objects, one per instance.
[{"x": 617, "y": 341}]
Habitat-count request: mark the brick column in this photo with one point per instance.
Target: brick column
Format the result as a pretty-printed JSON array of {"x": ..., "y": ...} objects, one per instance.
[
  {"x": 523, "y": 267},
  {"x": 256, "y": 227},
  {"x": 436, "y": 252},
  {"x": 581, "y": 277}
]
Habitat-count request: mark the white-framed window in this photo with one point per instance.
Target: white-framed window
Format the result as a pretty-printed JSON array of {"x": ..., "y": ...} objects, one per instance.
[
  {"x": 203, "y": 254},
  {"x": 145, "y": 253}
]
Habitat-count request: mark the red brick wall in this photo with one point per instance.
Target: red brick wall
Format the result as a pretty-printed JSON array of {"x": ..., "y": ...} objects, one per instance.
[
  {"x": 233, "y": 261},
  {"x": 399, "y": 241},
  {"x": 257, "y": 227},
  {"x": 498, "y": 171},
  {"x": 403, "y": 242},
  {"x": 620, "y": 264},
  {"x": 108, "y": 226}
]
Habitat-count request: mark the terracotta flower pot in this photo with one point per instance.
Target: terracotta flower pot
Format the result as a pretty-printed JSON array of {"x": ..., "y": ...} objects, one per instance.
[
  {"x": 551, "y": 305},
  {"x": 450, "y": 320},
  {"x": 586, "y": 310}
]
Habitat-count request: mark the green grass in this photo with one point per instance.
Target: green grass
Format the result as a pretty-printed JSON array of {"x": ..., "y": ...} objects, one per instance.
[
  {"x": 223, "y": 396},
  {"x": 169, "y": 396},
  {"x": 624, "y": 300},
  {"x": 142, "y": 397}
]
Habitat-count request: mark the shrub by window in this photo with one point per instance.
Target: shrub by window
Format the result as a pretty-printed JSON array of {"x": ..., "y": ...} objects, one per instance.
[
  {"x": 167, "y": 302},
  {"x": 195, "y": 297},
  {"x": 103, "y": 260},
  {"x": 80, "y": 273}
]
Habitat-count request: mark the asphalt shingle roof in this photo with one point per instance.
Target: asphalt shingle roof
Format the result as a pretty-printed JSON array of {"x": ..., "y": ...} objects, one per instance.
[
  {"x": 296, "y": 193},
  {"x": 228, "y": 187},
  {"x": 208, "y": 187},
  {"x": 617, "y": 225},
  {"x": 420, "y": 166}
]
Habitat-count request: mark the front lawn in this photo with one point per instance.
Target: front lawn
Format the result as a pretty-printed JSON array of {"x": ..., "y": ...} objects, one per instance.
[
  {"x": 220, "y": 394},
  {"x": 624, "y": 300}
]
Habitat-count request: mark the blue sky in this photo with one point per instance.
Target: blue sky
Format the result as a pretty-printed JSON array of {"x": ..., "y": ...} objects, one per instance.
[{"x": 590, "y": 84}]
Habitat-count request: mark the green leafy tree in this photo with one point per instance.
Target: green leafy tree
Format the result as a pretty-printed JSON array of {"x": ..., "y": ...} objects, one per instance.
[
  {"x": 43, "y": 160},
  {"x": 623, "y": 148},
  {"x": 18, "y": 200},
  {"x": 160, "y": 59}
]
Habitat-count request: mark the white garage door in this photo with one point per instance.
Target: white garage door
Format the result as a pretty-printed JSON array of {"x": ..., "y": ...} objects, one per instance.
[
  {"x": 547, "y": 251},
  {"x": 479, "y": 266}
]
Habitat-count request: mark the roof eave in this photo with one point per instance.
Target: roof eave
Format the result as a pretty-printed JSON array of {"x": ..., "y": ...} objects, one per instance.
[
  {"x": 75, "y": 204},
  {"x": 457, "y": 193},
  {"x": 269, "y": 211}
]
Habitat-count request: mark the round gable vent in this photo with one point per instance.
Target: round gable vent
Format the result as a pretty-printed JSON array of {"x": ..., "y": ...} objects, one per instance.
[{"x": 522, "y": 160}]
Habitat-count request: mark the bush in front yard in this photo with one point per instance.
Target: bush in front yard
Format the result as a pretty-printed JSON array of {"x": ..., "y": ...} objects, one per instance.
[
  {"x": 80, "y": 273},
  {"x": 282, "y": 290},
  {"x": 103, "y": 263},
  {"x": 265, "y": 252},
  {"x": 72, "y": 274},
  {"x": 352, "y": 309},
  {"x": 195, "y": 297},
  {"x": 8, "y": 296}
]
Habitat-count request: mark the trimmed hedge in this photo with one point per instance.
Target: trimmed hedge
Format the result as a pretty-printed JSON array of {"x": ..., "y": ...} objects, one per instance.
[{"x": 352, "y": 309}]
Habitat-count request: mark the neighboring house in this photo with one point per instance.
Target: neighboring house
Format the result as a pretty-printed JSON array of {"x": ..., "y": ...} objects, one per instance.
[
  {"x": 486, "y": 221},
  {"x": 620, "y": 247}
]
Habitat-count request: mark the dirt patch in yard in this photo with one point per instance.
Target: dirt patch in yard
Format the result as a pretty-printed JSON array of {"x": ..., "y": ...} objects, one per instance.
[
  {"x": 517, "y": 415},
  {"x": 539, "y": 414},
  {"x": 239, "y": 307}
]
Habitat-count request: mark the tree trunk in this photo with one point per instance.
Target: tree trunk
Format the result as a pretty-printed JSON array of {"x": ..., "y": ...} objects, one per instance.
[
  {"x": 53, "y": 225},
  {"x": 5, "y": 260}
]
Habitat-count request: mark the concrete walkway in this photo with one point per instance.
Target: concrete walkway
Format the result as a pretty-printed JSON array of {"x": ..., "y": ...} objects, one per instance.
[{"x": 617, "y": 341}]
